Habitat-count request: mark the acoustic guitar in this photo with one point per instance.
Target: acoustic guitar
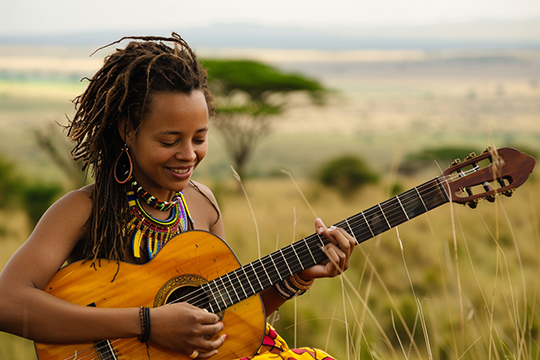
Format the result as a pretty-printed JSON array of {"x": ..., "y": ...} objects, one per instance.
[{"x": 201, "y": 269}]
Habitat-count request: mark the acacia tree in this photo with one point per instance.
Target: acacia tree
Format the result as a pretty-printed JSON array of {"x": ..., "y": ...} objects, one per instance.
[{"x": 249, "y": 95}]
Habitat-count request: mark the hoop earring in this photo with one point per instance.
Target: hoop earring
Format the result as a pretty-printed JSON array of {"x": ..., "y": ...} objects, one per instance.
[{"x": 123, "y": 167}]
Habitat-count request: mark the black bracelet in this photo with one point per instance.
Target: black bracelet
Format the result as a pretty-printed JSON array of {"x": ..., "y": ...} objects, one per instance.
[{"x": 144, "y": 313}]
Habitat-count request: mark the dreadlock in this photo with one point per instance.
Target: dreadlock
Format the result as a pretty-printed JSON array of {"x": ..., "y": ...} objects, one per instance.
[{"x": 121, "y": 90}]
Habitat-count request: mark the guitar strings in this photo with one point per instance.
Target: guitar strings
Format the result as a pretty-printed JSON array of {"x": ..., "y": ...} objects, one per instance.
[
  {"x": 425, "y": 190},
  {"x": 252, "y": 273}
]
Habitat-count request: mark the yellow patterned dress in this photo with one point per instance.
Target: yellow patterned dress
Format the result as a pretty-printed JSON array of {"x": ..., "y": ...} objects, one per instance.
[{"x": 274, "y": 347}]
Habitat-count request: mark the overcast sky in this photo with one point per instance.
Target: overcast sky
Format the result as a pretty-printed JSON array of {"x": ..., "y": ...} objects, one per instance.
[{"x": 52, "y": 16}]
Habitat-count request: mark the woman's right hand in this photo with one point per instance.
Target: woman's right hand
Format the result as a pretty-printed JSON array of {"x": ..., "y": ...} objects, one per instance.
[{"x": 185, "y": 328}]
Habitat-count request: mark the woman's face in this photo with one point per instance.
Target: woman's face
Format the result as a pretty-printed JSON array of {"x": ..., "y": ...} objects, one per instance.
[{"x": 170, "y": 142}]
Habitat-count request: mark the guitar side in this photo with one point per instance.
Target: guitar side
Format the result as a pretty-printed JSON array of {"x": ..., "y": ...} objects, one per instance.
[{"x": 111, "y": 284}]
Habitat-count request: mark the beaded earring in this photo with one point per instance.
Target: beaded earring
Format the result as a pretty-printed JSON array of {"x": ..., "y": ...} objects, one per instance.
[{"x": 123, "y": 167}]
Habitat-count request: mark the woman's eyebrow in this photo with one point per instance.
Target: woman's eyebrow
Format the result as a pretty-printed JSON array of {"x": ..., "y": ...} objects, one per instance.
[{"x": 176, "y": 132}]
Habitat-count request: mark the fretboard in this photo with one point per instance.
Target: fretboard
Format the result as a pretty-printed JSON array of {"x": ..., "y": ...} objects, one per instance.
[{"x": 254, "y": 277}]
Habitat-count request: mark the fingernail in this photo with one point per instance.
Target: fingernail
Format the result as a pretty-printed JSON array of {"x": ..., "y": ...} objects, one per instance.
[
  {"x": 224, "y": 336},
  {"x": 320, "y": 230}
]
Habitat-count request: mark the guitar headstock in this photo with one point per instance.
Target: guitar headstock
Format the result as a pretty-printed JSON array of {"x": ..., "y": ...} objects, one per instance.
[{"x": 486, "y": 175}]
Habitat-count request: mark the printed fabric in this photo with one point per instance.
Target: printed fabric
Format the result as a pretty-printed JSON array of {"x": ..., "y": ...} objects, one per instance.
[{"x": 275, "y": 348}]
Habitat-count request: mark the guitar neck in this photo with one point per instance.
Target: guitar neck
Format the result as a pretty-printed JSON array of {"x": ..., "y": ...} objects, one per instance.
[{"x": 254, "y": 277}]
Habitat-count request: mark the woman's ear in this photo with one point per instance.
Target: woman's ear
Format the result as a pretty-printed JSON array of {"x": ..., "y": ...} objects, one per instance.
[{"x": 126, "y": 131}]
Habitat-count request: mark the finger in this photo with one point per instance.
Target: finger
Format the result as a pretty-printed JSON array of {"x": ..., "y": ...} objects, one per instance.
[
  {"x": 346, "y": 242},
  {"x": 208, "y": 331},
  {"x": 333, "y": 266},
  {"x": 208, "y": 346},
  {"x": 206, "y": 355}
]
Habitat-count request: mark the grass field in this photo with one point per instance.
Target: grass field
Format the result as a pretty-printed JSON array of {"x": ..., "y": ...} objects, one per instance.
[{"x": 453, "y": 284}]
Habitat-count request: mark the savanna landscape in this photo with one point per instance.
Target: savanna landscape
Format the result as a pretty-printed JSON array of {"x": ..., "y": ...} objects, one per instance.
[{"x": 455, "y": 283}]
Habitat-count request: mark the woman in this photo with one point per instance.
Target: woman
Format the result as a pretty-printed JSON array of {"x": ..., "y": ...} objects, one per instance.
[{"x": 141, "y": 127}]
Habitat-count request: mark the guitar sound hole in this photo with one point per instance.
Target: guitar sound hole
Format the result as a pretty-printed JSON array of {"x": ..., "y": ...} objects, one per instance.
[{"x": 190, "y": 295}]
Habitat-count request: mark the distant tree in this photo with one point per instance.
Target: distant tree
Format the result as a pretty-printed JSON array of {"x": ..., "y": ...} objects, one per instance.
[
  {"x": 33, "y": 197},
  {"x": 249, "y": 95},
  {"x": 346, "y": 174},
  {"x": 58, "y": 149}
]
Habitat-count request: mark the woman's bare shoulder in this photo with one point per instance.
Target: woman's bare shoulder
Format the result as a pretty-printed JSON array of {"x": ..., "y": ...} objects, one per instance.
[
  {"x": 203, "y": 206},
  {"x": 199, "y": 190}
]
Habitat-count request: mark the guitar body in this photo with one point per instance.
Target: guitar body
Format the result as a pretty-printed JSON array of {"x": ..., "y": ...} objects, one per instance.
[{"x": 188, "y": 260}]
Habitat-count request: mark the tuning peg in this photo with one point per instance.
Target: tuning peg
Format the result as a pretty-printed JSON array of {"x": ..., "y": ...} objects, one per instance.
[
  {"x": 473, "y": 203},
  {"x": 486, "y": 150},
  {"x": 471, "y": 155},
  {"x": 508, "y": 193},
  {"x": 455, "y": 162},
  {"x": 490, "y": 198}
]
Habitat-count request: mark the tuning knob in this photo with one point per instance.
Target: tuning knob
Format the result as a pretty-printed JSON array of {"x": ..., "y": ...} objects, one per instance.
[
  {"x": 508, "y": 193},
  {"x": 473, "y": 203},
  {"x": 486, "y": 150},
  {"x": 471, "y": 155},
  {"x": 455, "y": 162}
]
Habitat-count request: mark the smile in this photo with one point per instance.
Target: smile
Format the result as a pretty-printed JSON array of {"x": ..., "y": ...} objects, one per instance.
[{"x": 180, "y": 171}]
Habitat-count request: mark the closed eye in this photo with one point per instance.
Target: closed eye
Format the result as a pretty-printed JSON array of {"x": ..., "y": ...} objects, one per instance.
[{"x": 166, "y": 143}]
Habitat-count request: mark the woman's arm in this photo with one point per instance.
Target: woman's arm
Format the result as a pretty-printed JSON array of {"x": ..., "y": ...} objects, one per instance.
[{"x": 27, "y": 311}]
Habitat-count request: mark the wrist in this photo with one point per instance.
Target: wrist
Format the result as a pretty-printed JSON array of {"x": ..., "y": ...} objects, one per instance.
[{"x": 144, "y": 315}]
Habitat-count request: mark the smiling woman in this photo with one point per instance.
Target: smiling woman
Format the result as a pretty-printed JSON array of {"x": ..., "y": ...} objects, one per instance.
[{"x": 141, "y": 128}]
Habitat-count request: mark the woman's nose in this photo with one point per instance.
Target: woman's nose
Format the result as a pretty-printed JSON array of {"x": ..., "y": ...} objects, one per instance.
[{"x": 186, "y": 153}]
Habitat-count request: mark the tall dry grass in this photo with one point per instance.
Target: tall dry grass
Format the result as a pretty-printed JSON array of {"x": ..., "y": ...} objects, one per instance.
[{"x": 454, "y": 283}]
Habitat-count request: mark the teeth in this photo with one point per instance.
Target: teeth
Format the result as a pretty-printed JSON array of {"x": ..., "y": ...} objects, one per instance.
[{"x": 179, "y": 171}]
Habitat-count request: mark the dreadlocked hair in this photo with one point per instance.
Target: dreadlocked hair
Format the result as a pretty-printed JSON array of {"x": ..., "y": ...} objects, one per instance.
[{"x": 120, "y": 91}]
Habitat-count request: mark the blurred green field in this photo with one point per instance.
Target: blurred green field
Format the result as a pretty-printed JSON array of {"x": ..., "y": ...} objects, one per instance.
[{"x": 453, "y": 284}]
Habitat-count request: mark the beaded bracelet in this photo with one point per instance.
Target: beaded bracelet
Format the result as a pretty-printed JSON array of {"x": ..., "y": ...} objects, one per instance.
[
  {"x": 144, "y": 314},
  {"x": 292, "y": 287}
]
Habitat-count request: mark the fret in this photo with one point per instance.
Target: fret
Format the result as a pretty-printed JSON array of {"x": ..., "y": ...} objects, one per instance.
[
  {"x": 240, "y": 282},
  {"x": 225, "y": 293},
  {"x": 367, "y": 223},
  {"x": 422, "y": 200},
  {"x": 268, "y": 270},
  {"x": 298, "y": 258},
  {"x": 384, "y": 216},
  {"x": 433, "y": 194},
  {"x": 376, "y": 220},
  {"x": 216, "y": 299},
  {"x": 233, "y": 286},
  {"x": 249, "y": 282},
  {"x": 277, "y": 270},
  {"x": 264, "y": 272},
  {"x": 294, "y": 262},
  {"x": 400, "y": 204},
  {"x": 285, "y": 262},
  {"x": 310, "y": 252},
  {"x": 395, "y": 214},
  {"x": 257, "y": 277},
  {"x": 349, "y": 229},
  {"x": 314, "y": 245},
  {"x": 105, "y": 350}
]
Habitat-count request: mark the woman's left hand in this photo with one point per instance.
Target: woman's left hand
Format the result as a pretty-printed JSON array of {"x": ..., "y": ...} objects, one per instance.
[{"x": 338, "y": 251}]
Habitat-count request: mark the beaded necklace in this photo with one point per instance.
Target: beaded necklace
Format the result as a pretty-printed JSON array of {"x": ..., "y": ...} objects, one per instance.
[
  {"x": 151, "y": 232},
  {"x": 151, "y": 200}
]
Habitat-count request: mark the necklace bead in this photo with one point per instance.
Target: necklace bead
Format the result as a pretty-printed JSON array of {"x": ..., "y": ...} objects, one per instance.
[{"x": 150, "y": 199}]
